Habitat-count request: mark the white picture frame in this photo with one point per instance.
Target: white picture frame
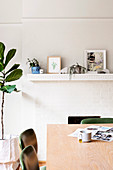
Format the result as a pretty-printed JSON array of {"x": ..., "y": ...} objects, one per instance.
[
  {"x": 95, "y": 60},
  {"x": 53, "y": 64}
]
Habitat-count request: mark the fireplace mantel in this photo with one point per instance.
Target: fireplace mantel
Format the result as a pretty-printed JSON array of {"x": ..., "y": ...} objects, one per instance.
[{"x": 67, "y": 77}]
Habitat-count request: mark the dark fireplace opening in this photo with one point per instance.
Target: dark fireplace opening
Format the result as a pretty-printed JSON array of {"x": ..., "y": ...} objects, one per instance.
[{"x": 77, "y": 119}]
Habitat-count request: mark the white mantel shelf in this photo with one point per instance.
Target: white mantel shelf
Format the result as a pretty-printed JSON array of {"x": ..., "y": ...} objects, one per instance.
[{"x": 67, "y": 77}]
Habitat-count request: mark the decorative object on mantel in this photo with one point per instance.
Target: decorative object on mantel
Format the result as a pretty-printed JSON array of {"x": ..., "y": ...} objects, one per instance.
[
  {"x": 105, "y": 71},
  {"x": 8, "y": 145},
  {"x": 77, "y": 69},
  {"x": 64, "y": 70},
  {"x": 41, "y": 71},
  {"x": 95, "y": 60},
  {"x": 34, "y": 65},
  {"x": 53, "y": 64}
]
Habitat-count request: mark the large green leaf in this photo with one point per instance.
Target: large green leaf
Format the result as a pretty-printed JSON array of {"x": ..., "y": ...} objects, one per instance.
[
  {"x": 1, "y": 83},
  {"x": 15, "y": 66},
  {"x": 14, "y": 75},
  {"x": 9, "y": 56},
  {"x": 1, "y": 77},
  {"x": 1, "y": 67},
  {"x": 2, "y": 49},
  {"x": 8, "y": 88}
]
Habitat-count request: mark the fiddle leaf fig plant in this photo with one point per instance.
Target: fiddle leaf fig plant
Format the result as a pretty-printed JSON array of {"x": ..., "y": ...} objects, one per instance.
[{"x": 6, "y": 76}]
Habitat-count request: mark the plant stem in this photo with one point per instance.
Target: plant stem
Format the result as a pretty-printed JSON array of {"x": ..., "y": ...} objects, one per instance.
[
  {"x": 2, "y": 112},
  {"x": 2, "y": 108}
]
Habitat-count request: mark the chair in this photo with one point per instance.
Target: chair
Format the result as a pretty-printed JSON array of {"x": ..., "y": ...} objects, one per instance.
[
  {"x": 29, "y": 159},
  {"x": 28, "y": 137},
  {"x": 97, "y": 121},
  {"x": 78, "y": 119}
]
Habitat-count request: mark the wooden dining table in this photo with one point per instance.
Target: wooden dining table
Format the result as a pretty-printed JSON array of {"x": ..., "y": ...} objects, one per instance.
[{"x": 66, "y": 153}]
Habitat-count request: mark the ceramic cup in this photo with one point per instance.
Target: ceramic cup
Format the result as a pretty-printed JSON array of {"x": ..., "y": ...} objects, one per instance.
[
  {"x": 41, "y": 71},
  {"x": 84, "y": 136}
]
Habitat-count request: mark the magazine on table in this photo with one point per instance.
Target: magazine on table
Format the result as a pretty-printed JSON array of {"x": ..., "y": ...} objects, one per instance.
[{"x": 98, "y": 132}]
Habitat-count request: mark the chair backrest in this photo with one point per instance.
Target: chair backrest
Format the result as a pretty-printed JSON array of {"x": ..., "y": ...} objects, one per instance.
[
  {"x": 28, "y": 137},
  {"x": 97, "y": 121},
  {"x": 78, "y": 119},
  {"x": 28, "y": 159}
]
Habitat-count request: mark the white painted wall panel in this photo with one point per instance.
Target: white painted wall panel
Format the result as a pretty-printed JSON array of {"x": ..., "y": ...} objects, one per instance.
[
  {"x": 66, "y": 8},
  {"x": 10, "y": 11},
  {"x": 67, "y": 38}
]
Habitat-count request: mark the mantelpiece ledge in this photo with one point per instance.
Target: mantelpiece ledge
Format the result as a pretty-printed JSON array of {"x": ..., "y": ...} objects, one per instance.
[{"x": 67, "y": 77}]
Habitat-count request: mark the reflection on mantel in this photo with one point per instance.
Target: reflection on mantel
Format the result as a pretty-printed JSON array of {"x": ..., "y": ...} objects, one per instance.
[{"x": 67, "y": 77}]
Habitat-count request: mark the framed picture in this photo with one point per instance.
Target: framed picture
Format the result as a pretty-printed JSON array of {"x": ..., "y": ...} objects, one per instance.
[
  {"x": 53, "y": 64},
  {"x": 95, "y": 60}
]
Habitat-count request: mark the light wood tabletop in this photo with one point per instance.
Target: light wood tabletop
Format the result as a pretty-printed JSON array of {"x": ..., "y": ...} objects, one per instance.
[{"x": 66, "y": 153}]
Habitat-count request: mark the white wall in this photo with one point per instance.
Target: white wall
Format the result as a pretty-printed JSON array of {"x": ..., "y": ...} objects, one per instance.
[
  {"x": 10, "y": 11},
  {"x": 65, "y": 8},
  {"x": 64, "y": 28}
]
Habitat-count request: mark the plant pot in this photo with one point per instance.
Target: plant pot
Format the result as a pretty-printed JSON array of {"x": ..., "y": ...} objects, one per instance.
[
  {"x": 9, "y": 153},
  {"x": 35, "y": 70}
]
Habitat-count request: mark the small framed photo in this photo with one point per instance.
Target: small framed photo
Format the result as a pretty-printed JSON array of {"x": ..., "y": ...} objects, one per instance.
[
  {"x": 53, "y": 64},
  {"x": 95, "y": 60}
]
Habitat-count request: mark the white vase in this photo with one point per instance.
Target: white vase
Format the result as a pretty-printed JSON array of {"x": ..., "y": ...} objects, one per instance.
[{"x": 9, "y": 153}]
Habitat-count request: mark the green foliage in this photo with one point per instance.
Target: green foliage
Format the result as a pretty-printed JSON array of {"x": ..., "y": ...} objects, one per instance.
[
  {"x": 2, "y": 49},
  {"x": 33, "y": 63},
  {"x": 9, "y": 56},
  {"x": 12, "y": 74},
  {"x": 1, "y": 84},
  {"x": 7, "y": 76},
  {"x": 15, "y": 66},
  {"x": 8, "y": 88},
  {"x": 1, "y": 67}
]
